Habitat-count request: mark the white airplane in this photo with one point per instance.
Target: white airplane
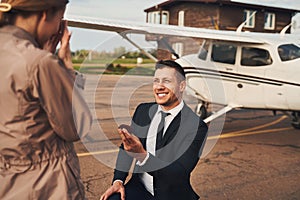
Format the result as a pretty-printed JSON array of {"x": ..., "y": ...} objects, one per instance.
[{"x": 232, "y": 68}]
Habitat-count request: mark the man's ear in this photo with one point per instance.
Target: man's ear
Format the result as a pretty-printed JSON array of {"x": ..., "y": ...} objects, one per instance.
[{"x": 182, "y": 86}]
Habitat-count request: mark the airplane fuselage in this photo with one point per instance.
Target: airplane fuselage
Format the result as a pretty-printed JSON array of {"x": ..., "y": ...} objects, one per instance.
[{"x": 246, "y": 75}]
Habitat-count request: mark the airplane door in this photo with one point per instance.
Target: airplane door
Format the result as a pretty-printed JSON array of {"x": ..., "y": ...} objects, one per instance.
[
  {"x": 275, "y": 91},
  {"x": 250, "y": 80},
  {"x": 289, "y": 63},
  {"x": 223, "y": 57}
]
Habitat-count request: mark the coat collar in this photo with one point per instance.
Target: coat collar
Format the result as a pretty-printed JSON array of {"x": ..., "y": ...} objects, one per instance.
[
  {"x": 173, "y": 127},
  {"x": 19, "y": 33}
]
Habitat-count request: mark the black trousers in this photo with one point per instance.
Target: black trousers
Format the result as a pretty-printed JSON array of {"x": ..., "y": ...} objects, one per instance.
[{"x": 134, "y": 190}]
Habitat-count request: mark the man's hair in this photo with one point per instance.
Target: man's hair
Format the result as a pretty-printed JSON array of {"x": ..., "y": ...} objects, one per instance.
[{"x": 171, "y": 64}]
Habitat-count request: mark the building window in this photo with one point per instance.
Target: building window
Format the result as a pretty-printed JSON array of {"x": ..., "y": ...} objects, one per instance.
[
  {"x": 157, "y": 18},
  {"x": 165, "y": 17},
  {"x": 249, "y": 18},
  {"x": 270, "y": 21},
  {"x": 178, "y": 48},
  {"x": 181, "y": 18},
  {"x": 152, "y": 17}
]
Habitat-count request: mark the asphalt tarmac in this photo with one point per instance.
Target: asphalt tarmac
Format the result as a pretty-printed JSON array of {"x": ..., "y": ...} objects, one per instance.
[{"x": 249, "y": 154}]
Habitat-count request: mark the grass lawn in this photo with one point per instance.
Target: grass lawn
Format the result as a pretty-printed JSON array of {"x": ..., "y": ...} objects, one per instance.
[{"x": 118, "y": 66}]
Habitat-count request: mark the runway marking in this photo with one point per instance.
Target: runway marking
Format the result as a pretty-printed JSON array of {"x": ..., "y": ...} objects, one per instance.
[
  {"x": 261, "y": 126},
  {"x": 245, "y": 132},
  {"x": 252, "y": 131},
  {"x": 97, "y": 152},
  {"x": 229, "y": 135}
]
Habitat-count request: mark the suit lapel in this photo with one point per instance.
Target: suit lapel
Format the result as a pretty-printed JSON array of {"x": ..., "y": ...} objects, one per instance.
[
  {"x": 147, "y": 120},
  {"x": 172, "y": 129}
]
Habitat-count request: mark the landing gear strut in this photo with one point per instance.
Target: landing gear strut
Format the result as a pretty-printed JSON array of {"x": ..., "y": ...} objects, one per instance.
[
  {"x": 296, "y": 120},
  {"x": 201, "y": 110}
]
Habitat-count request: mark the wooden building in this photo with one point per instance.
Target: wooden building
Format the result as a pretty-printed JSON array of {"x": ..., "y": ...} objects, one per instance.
[{"x": 219, "y": 14}]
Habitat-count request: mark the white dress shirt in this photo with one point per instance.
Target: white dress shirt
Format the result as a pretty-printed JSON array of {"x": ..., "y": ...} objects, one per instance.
[{"x": 146, "y": 178}]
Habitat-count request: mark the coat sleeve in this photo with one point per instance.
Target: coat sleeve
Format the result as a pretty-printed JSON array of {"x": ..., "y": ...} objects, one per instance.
[
  {"x": 124, "y": 161},
  {"x": 123, "y": 165},
  {"x": 181, "y": 168},
  {"x": 61, "y": 98}
]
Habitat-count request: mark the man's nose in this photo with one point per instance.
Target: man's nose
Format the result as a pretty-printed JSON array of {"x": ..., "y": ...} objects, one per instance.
[{"x": 159, "y": 84}]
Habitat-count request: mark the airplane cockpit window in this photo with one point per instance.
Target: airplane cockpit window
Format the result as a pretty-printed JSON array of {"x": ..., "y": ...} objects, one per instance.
[
  {"x": 288, "y": 52},
  {"x": 255, "y": 57},
  {"x": 223, "y": 53}
]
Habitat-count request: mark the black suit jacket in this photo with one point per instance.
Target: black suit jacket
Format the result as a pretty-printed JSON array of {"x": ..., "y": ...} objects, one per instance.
[{"x": 171, "y": 167}]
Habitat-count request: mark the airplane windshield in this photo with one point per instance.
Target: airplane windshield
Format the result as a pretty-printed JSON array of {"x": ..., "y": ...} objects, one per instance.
[{"x": 288, "y": 52}]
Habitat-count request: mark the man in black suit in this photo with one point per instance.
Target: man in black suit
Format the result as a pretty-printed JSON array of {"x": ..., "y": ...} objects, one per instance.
[{"x": 165, "y": 138}]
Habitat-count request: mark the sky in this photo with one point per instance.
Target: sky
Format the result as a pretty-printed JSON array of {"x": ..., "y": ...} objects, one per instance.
[{"x": 129, "y": 10}]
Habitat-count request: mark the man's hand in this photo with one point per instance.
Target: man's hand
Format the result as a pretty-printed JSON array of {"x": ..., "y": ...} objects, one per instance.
[
  {"x": 132, "y": 145},
  {"x": 117, "y": 187}
]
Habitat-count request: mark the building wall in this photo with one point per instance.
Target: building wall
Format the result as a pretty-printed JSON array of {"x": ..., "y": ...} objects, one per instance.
[
  {"x": 282, "y": 20},
  {"x": 196, "y": 15},
  {"x": 215, "y": 16},
  {"x": 226, "y": 17},
  {"x": 231, "y": 17}
]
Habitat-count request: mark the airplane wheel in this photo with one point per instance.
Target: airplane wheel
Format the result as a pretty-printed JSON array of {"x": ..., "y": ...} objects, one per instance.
[
  {"x": 201, "y": 111},
  {"x": 296, "y": 120}
]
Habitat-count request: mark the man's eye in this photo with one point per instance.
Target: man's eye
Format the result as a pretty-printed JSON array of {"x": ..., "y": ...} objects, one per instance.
[{"x": 167, "y": 81}]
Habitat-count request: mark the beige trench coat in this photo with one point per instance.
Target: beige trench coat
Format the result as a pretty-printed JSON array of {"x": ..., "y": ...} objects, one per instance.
[{"x": 37, "y": 122}]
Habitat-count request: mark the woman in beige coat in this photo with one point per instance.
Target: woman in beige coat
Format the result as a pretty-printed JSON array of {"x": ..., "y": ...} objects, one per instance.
[{"x": 41, "y": 110}]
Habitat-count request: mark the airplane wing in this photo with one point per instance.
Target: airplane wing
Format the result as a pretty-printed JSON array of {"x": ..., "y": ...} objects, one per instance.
[{"x": 158, "y": 29}]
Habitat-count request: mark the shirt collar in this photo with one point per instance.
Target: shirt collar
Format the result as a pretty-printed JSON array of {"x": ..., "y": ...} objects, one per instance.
[{"x": 174, "y": 111}]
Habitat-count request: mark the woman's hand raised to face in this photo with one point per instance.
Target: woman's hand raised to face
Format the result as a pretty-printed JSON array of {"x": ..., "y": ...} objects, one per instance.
[
  {"x": 64, "y": 52},
  {"x": 63, "y": 36}
]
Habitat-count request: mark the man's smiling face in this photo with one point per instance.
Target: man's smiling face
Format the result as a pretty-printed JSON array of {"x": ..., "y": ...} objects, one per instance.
[{"x": 167, "y": 88}]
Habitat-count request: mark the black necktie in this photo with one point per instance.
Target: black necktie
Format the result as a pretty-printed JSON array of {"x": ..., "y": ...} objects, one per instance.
[{"x": 160, "y": 130}]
